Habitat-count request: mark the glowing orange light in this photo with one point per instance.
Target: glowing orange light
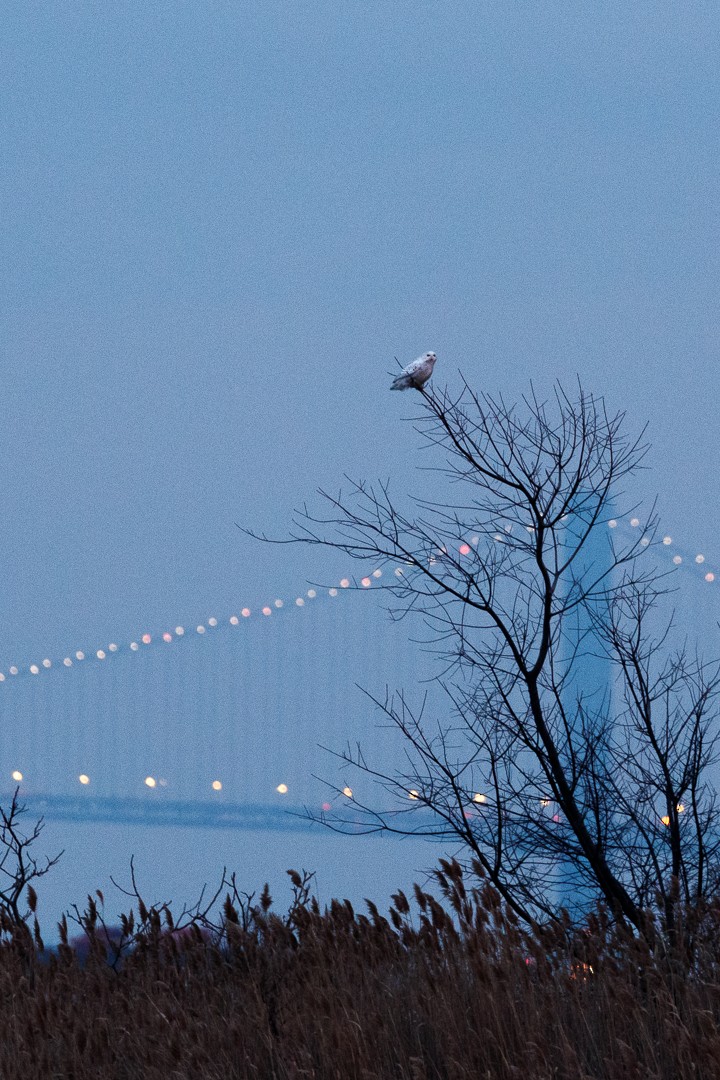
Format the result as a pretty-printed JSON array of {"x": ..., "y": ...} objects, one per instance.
[
  {"x": 282, "y": 788},
  {"x": 680, "y": 808},
  {"x": 217, "y": 785},
  {"x": 464, "y": 549},
  {"x": 665, "y": 820},
  {"x": 366, "y": 583},
  {"x": 84, "y": 778},
  {"x": 150, "y": 781},
  {"x": 17, "y": 775},
  {"x": 347, "y": 792},
  {"x": 146, "y": 639}
]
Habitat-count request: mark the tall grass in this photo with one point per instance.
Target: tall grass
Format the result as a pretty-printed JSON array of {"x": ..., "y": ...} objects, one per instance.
[{"x": 440, "y": 988}]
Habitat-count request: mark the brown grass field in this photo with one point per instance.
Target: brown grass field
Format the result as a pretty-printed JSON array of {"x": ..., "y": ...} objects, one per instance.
[{"x": 449, "y": 988}]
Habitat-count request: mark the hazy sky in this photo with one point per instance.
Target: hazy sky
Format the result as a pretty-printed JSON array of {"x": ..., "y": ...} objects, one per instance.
[{"x": 221, "y": 222}]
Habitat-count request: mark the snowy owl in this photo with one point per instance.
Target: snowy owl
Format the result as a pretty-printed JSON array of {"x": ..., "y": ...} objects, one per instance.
[{"x": 416, "y": 374}]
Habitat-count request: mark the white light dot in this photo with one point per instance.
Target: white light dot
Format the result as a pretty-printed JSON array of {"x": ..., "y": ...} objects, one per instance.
[
  {"x": 2, "y": 677},
  {"x": 347, "y": 792},
  {"x": 612, "y": 524},
  {"x": 245, "y": 613},
  {"x": 150, "y": 781},
  {"x": 278, "y": 603},
  {"x": 332, "y": 592},
  {"x": 217, "y": 785},
  {"x": 345, "y": 583},
  {"x": 282, "y": 788},
  {"x": 413, "y": 794},
  {"x": 167, "y": 636},
  {"x": 366, "y": 582},
  {"x": 399, "y": 571},
  {"x": 100, "y": 654},
  {"x": 699, "y": 558},
  {"x": 708, "y": 577},
  {"x": 634, "y": 522},
  {"x": 212, "y": 621},
  {"x": 677, "y": 559},
  {"x": 112, "y": 647},
  {"x": 300, "y": 602},
  {"x": 234, "y": 620},
  {"x": 475, "y": 540},
  {"x": 267, "y": 610},
  {"x": 312, "y": 593},
  {"x": 645, "y": 541},
  {"x": 34, "y": 669},
  {"x": 667, "y": 540},
  {"x": 377, "y": 573},
  {"x": 179, "y": 630},
  {"x": 67, "y": 662},
  {"x": 17, "y": 775},
  {"x": 13, "y": 670},
  {"x": 84, "y": 778},
  {"x": 478, "y": 798},
  {"x": 134, "y": 646},
  {"x": 200, "y": 629},
  {"x": 80, "y": 655},
  {"x": 47, "y": 663}
]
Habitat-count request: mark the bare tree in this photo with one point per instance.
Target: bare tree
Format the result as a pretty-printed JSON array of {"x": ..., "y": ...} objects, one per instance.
[
  {"x": 19, "y": 867},
  {"x": 555, "y": 788}
]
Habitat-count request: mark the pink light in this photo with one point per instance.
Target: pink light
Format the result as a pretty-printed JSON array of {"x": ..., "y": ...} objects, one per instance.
[
  {"x": 267, "y": 611},
  {"x": 326, "y": 806},
  {"x": 464, "y": 549},
  {"x": 345, "y": 583},
  {"x": 366, "y": 583},
  {"x": 146, "y": 639},
  {"x": 245, "y": 613},
  {"x": 709, "y": 577},
  {"x": 167, "y": 636}
]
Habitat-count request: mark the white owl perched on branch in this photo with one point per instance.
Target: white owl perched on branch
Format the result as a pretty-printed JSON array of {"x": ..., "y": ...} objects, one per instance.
[{"x": 416, "y": 374}]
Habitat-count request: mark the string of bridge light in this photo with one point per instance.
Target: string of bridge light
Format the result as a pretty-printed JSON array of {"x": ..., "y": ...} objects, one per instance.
[{"x": 464, "y": 549}]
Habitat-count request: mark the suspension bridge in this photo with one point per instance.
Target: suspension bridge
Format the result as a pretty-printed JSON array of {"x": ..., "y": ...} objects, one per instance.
[{"x": 223, "y": 724}]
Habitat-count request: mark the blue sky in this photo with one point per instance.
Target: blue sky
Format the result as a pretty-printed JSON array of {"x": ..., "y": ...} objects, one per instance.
[{"x": 222, "y": 221}]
